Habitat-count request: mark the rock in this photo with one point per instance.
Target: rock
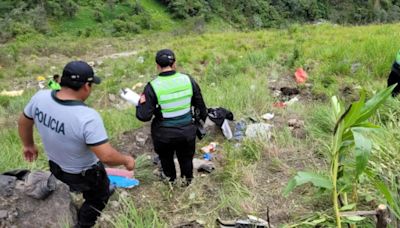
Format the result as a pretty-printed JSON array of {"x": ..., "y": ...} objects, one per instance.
[
  {"x": 3, "y": 214},
  {"x": 7, "y": 185},
  {"x": 355, "y": 67},
  {"x": 295, "y": 123},
  {"x": 112, "y": 97},
  {"x": 20, "y": 210},
  {"x": 141, "y": 138}
]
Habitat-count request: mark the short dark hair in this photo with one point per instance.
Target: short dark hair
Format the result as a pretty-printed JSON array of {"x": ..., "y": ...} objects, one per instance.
[
  {"x": 72, "y": 85},
  {"x": 165, "y": 57},
  {"x": 56, "y": 76}
]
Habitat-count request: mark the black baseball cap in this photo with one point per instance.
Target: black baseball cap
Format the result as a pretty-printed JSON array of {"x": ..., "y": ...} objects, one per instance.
[
  {"x": 165, "y": 57},
  {"x": 79, "y": 71}
]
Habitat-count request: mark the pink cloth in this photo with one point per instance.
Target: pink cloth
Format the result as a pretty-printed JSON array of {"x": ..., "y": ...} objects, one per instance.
[
  {"x": 300, "y": 75},
  {"x": 119, "y": 172}
]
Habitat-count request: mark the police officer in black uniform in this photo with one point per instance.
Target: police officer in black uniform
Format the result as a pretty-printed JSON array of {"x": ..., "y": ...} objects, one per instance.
[
  {"x": 171, "y": 98},
  {"x": 394, "y": 76}
]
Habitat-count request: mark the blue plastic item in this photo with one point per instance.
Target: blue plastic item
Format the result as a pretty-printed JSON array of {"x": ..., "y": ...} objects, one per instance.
[
  {"x": 207, "y": 156},
  {"x": 240, "y": 128},
  {"x": 122, "y": 182}
]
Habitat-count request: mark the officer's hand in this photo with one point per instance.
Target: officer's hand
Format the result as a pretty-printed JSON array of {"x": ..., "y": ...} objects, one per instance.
[
  {"x": 129, "y": 163},
  {"x": 30, "y": 153}
]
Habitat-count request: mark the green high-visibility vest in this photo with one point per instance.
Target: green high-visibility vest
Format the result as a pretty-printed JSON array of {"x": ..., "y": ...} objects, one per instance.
[
  {"x": 174, "y": 94},
  {"x": 54, "y": 85}
]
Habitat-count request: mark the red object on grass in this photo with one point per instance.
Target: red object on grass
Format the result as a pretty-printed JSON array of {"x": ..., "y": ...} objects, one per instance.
[
  {"x": 279, "y": 104},
  {"x": 300, "y": 75}
]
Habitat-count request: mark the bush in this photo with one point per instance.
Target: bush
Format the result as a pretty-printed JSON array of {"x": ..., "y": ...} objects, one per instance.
[{"x": 122, "y": 27}]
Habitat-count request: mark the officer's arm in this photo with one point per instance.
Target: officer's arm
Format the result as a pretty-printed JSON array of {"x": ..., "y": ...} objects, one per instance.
[
  {"x": 197, "y": 100},
  {"x": 25, "y": 130},
  {"x": 147, "y": 104},
  {"x": 110, "y": 156}
]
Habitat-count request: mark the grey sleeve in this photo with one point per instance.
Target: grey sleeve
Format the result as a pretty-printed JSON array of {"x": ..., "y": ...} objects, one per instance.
[
  {"x": 29, "y": 111},
  {"x": 93, "y": 130}
]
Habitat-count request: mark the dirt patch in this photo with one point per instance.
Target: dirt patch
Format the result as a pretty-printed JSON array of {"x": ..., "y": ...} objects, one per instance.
[
  {"x": 136, "y": 142},
  {"x": 273, "y": 173}
]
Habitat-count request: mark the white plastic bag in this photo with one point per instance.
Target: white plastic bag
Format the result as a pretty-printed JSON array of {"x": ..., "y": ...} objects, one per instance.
[{"x": 130, "y": 96}]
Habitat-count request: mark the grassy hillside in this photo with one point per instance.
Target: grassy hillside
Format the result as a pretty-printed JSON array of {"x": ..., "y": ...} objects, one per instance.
[{"x": 235, "y": 70}]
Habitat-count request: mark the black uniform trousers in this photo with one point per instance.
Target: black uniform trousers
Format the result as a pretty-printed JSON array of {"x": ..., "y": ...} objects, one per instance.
[
  {"x": 180, "y": 140},
  {"x": 94, "y": 184}
]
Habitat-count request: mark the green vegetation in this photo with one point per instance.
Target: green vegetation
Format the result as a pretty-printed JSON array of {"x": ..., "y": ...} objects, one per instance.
[
  {"x": 350, "y": 134},
  {"x": 270, "y": 13},
  {"x": 235, "y": 70}
]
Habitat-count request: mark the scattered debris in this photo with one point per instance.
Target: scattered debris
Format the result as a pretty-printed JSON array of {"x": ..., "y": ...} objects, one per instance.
[
  {"x": 292, "y": 101},
  {"x": 209, "y": 148},
  {"x": 191, "y": 224},
  {"x": 251, "y": 221},
  {"x": 40, "y": 78},
  {"x": 240, "y": 128},
  {"x": 287, "y": 91},
  {"x": 207, "y": 156},
  {"x": 355, "y": 67},
  {"x": 119, "y": 172},
  {"x": 13, "y": 93},
  {"x": 268, "y": 116},
  {"x": 137, "y": 85},
  {"x": 140, "y": 59},
  {"x": 276, "y": 93},
  {"x": 122, "y": 182},
  {"x": 259, "y": 130},
  {"x": 295, "y": 123},
  {"x": 202, "y": 165},
  {"x": 279, "y": 104},
  {"x": 300, "y": 76}
]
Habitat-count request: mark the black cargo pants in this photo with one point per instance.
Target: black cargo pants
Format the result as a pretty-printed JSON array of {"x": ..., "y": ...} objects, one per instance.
[{"x": 93, "y": 183}]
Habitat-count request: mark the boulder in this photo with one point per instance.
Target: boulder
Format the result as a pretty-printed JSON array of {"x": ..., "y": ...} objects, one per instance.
[{"x": 20, "y": 210}]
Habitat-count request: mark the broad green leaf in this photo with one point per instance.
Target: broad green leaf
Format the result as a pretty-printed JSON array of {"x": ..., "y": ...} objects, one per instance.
[
  {"x": 363, "y": 147},
  {"x": 301, "y": 178},
  {"x": 372, "y": 104},
  {"x": 367, "y": 125},
  {"x": 348, "y": 207},
  {"x": 355, "y": 218},
  {"x": 289, "y": 187},
  {"x": 355, "y": 111},
  {"x": 316, "y": 222}
]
